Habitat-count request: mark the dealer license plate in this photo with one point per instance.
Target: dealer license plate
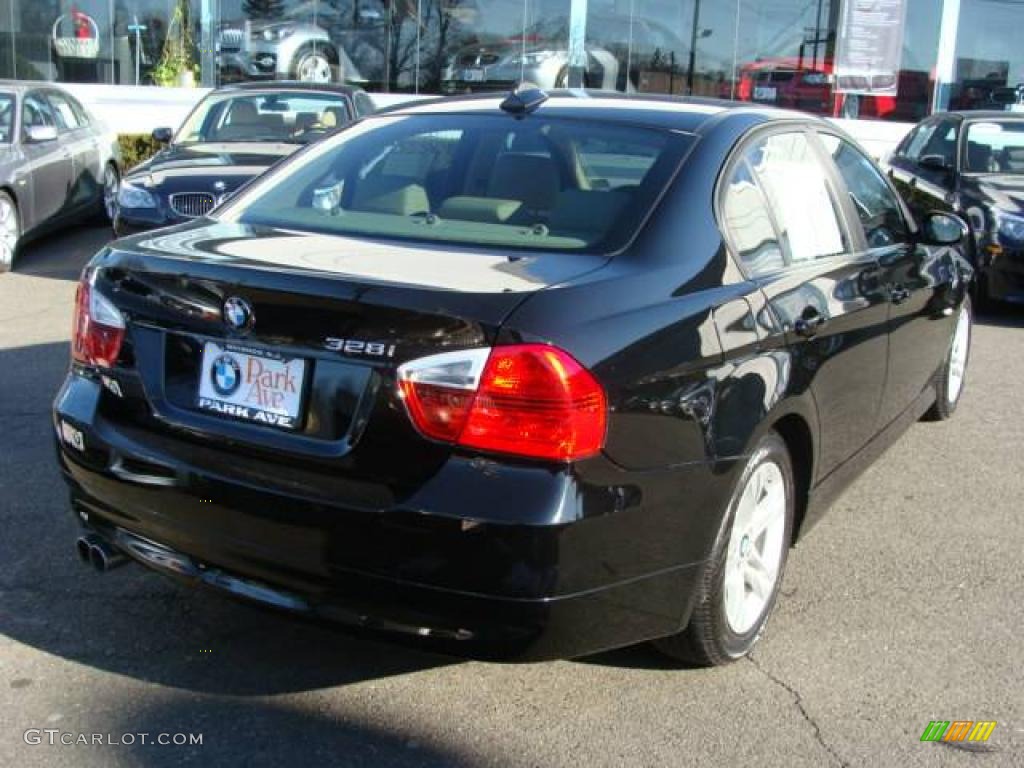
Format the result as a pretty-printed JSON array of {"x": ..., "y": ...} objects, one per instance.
[{"x": 251, "y": 384}]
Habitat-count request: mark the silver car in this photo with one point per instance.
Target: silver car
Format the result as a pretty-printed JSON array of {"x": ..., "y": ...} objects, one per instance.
[
  {"x": 286, "y": 50},
  {"x": 57, "y": 163}
]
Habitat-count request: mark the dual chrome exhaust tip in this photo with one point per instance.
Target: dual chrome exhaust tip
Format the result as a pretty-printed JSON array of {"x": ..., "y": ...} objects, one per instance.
[{"x": 94, "y": 550}]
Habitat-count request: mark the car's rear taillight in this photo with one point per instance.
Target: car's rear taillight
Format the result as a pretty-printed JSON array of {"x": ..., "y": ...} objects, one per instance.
[
  {"x": 525, "y": 399},
  {"x": 98, "y": 328}
]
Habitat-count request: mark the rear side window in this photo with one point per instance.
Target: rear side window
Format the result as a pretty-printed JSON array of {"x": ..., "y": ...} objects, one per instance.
[
  {"x": 364, "y": 104},
  {"x": 749, "y": 224},
  {"x": 878, "y": 209},
  {"x": 80, "y": 112},
  {"x": 67, "y": 120},
  {"x": 796, "y": 187},
  {"x": 486, "y": 180}
]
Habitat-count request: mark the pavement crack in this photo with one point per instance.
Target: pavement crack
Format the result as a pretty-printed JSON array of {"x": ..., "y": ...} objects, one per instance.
[{"x": 799, "y": 702}]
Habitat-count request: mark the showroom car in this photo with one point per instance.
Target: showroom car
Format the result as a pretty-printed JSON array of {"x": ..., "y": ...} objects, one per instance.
[
  {"x": 295, "y": 48},
  {"x": 57, "y": 164},
  {"x": 522, "y": 378},
  {"x": 653, "y": 59},
  {"x": 972, "y": 163},
  {"x": 233, "y": 134}
]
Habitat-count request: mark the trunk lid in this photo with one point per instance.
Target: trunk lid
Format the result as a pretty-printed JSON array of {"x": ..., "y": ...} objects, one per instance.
[{"x": 341, "y": 314}]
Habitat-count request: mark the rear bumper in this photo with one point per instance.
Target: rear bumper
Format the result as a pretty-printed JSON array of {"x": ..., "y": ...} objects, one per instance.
[{"x": 507, "y": 591}]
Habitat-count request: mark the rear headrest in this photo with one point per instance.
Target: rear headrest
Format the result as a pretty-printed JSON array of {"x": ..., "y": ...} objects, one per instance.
[
  {"x": 383, "y": 195},
  {"x": 579, "y": 210},
  {"x": 272, "y": 120},
  {"x": 244, "y": 113},
  {"x": 305, "y": 120},
  {"x": 334, "y": 117},
  {"x": 489, "y": 210},
  {"x": 1013, "y": 158},
  {"x": 532, "y": 179},
  {"x": 979, "y": 156}
]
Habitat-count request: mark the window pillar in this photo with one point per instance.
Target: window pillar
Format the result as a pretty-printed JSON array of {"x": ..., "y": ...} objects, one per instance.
[{"x": 945, "y": 63}]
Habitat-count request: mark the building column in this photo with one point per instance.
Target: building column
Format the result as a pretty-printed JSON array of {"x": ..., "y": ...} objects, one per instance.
[
  {"x": 577, "y": 42},
  {"x": 209, "y": 15},
  {"x": 945, "y": 62}
]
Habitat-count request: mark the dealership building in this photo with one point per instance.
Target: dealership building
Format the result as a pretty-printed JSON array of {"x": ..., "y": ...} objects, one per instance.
[{"x": 888, "y": 60}]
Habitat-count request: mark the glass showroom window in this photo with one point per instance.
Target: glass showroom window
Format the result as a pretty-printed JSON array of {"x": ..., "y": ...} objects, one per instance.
[
  {"x": 989, "y": 57},
  {"x": 116, "y": 42},
  {"x": 386, "y": 45}
]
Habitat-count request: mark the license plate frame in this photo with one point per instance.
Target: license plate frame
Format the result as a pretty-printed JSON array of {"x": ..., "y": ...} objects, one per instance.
[{"x": 278, "y": 383}]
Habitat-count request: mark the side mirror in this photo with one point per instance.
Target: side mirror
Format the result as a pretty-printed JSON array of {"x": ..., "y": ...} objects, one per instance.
[
  {"x": 38, "y": 134},
  {"x": 943, "y": 229},
  {"x": 163, "y": 135},
  {"x": 935, "y": 163}
]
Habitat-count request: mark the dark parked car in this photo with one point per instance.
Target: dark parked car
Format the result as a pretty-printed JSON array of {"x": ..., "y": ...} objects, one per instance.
[
  {"x": 57, "y": 163},
  {"x": 526, "y": 378},
  {"x": 233, "y": 135},
  {"x": 972, "y": 163}
]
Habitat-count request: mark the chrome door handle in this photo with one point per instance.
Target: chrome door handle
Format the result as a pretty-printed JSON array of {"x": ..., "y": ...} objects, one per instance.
[
  {"x": 809, "y": 323},
  {"x": 899, "y": 294}
]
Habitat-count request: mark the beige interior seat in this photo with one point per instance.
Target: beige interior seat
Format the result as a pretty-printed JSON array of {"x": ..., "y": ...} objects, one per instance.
[
  {"x": 393, "y": 195},
  {"x": 531, "y": 179}
]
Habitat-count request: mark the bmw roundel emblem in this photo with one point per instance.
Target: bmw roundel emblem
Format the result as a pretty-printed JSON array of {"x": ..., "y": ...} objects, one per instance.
[
  {"x": 226, "y": 375},
  {"x": 238, "y": 314}
]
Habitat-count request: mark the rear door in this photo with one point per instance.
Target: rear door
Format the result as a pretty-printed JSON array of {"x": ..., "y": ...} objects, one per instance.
[
  {"x": 915, "y": 276},
  {"x": 915, "y": 167},
  {"x": 822, "y": 288},
  {"x": 49, "y": 163},
  {"x": 76, "y": 137}
]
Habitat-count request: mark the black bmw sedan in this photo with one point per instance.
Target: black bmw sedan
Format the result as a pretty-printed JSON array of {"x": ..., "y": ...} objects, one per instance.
[
  {"x": 521, "y": 378},
  {"x": 231, "y": 136},
  {"x": 972, "y": 163}
]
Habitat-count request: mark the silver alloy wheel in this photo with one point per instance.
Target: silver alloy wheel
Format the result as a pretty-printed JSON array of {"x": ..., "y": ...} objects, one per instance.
[
  {"x": 314, "y": 68},
  {"x": 111, "y": 184},
  {"x": 754, "y": 555},
  {"x": 10, "y": 233},
  {"x": 958, "y": 355}
]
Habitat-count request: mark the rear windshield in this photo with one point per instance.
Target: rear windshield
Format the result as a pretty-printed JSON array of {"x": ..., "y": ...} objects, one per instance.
[
  {"x": 485, "y": 180},
  {"x": 298, "y": 117}
]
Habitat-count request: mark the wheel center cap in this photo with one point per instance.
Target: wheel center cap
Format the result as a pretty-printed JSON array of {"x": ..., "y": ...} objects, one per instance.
[{"x": 745, "y": 546}]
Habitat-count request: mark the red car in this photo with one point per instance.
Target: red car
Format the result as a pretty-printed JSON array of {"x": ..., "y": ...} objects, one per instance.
[{"x": 791, "y": 83}]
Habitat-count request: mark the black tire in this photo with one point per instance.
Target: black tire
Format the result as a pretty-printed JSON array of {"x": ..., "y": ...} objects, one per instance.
[
  {"x": 103, "y": 213},
  {"x": 709, "y": 639},
  {"x": 946, "y": 401},
  {"x": 7, "y": 263}
]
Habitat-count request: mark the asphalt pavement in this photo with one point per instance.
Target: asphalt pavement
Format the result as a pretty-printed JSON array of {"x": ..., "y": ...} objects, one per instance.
[{"x": 903, "y": 606}]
